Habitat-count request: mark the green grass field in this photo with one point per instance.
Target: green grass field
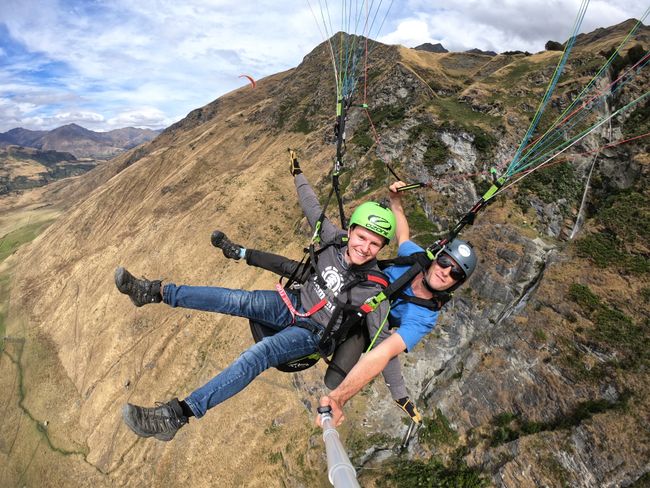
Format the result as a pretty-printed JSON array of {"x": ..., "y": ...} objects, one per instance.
[{"x": 9, "y": 243}]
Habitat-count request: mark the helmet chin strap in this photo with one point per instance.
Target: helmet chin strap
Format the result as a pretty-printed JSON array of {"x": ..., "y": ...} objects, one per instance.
[{"x": 426, "y": 283}]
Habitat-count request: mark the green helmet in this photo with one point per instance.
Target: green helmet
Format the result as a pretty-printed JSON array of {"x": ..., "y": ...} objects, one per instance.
[{"x": 376, "y": 218}]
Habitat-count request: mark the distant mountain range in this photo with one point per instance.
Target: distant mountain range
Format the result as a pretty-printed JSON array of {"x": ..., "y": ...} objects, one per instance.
[
  {"x": 77, "y": 140},
  {"x": 22, "y": 168}
]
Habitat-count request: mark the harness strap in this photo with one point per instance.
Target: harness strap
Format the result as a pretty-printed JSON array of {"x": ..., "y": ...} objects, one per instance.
[
  {"x": 292, "y": 309},
  {"x": 378, "y": 279},
  {"x": 435, "y": 303}
]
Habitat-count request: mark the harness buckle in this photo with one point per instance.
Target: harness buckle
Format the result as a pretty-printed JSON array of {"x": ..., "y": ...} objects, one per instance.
[{"x": 373, "y": 302}]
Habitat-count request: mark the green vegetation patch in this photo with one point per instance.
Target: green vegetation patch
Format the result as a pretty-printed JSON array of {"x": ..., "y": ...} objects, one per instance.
[
  {"x": 422, "y": 230},
  {"x": 8, "y": 245},
  {"x": 14, "y": 239},
  {"x": 386, "y": 116},
  {"x": 507, "y": 427},
  {"x": 462, "y": 113},
  {"x": 432, "y": 473},
  {"x": 437, "y": 431},
  {"x": 4, "y": 298},
  {"x": 283, "y": 113},
  {"x": 483, "y": 141},
  {"x": 602, "y": 249},
  {"x": 377, "y": 179},
  {"x": 436, "y": 153},
  {"x": 302, "y": 125},
  {"x": 612, "y": 327},
  {"x": 638, "y": 122},
  {"x": 620, "y": 63},
  {"x": 465, "y": 120},
  {"x": 625, "y": 217},
  {"x": 362, "y": 138},
  {"x": 358, "y": 442},
  {"x": 550, "y": 185},
  {"x": 642, "y": 482},
  {"x": 518, "y": 70},
  {"x": 627, "y": 214},
  {"x": 425, "y": 129},
  {"x": 583, "y": 296}
]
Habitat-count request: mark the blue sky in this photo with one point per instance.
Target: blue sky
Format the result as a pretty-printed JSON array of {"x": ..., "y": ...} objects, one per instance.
[{"x": 106, "y": 64}]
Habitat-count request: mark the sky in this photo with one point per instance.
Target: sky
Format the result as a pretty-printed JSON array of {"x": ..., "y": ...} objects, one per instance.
[{"x": 107, "y": 64}]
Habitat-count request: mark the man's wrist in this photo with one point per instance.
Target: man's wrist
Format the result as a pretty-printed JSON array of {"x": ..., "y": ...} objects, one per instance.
[{"x": 337, "y": 398}]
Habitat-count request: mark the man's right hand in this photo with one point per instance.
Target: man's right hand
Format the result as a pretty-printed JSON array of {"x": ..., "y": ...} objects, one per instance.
[
  {"x": 337, "y": 411},
  {"x": 393, "y": 188}
]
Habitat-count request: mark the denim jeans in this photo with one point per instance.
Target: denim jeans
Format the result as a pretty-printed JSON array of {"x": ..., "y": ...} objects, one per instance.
[{"x": 263, "y": 306}]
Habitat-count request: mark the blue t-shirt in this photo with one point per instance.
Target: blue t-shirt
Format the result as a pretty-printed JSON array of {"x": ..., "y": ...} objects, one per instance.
[{"x": 414, "y": 321}]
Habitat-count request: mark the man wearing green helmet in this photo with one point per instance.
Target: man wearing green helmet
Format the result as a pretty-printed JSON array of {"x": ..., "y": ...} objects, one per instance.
[
  {"x": 300, "y": 318},
  {"x": 451, "y": 268}
]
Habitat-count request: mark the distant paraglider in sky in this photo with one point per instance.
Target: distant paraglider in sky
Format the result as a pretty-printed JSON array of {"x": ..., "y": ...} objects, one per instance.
[{"x": 253, "y": 83}]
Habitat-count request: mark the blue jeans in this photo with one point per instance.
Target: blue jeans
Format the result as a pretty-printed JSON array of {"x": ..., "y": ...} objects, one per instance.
[{"x": 263, "y": 306}]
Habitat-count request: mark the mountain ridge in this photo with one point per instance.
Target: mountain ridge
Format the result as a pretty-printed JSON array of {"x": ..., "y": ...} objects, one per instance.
[{"x": 82, "y": 142}]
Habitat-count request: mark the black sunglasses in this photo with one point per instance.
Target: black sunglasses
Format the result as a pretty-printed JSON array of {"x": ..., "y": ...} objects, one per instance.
[{"x": 446, "y": 261}]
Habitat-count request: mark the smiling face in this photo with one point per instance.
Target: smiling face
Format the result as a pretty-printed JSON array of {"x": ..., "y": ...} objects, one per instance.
[
  {"x": 439, "y": 278},
  {"x": 363, "y": 245}
]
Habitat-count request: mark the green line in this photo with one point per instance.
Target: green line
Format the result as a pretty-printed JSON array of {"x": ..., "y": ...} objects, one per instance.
[{"x": 381, "y": 327}]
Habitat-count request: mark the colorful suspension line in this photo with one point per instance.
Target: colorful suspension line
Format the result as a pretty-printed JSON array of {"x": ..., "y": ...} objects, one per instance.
[
  {"x": 550, "y": 89},
  {"x": 563, "y": 116},
  {"x": 578, "y": 138},
  {"x": 358, "y": 20},
  {"x": 544, "y": 144}
]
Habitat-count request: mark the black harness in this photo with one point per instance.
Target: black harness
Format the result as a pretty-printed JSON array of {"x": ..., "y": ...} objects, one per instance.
[{"x": 352, "y": 316}]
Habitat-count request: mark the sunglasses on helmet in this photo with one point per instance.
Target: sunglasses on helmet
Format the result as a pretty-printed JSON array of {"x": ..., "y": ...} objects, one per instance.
[{"x": 446, "y": 261}]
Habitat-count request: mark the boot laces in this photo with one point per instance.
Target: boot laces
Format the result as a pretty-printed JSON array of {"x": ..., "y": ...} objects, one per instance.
[{"x": 162, "y": 417}]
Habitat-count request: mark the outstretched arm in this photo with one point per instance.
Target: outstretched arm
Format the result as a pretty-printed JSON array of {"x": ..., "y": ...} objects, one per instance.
[
  {"x": 402, "y": 232},
  {"x": 277, "y": 264},
  {"x": 363, "y": 372},
  {"x": 312, "y": 209}
]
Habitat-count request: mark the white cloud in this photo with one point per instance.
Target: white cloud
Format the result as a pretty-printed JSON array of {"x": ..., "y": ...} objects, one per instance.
[
  {"x": 108, "y": 58},
  {"x": 78, "y": 117},
  {"x": 502, "y": 25},
  {"x": 145, "y": 117}
]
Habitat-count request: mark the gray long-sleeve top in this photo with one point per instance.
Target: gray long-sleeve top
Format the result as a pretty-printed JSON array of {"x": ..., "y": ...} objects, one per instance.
[{"x": 336, "y": 272}]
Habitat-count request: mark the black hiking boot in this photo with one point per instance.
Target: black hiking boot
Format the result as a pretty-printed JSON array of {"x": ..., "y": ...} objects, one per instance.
[
  {"x": 141, "y": 291},
  {"x": 161, "y": 421},
  {"x": 230, "y": 250}
]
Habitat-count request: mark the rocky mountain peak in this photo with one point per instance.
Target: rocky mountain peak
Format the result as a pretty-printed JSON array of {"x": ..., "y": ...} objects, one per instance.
[{"x": 432, "y": 48}]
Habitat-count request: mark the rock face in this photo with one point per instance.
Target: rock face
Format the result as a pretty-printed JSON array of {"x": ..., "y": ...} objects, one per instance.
[{"x": 536, "y": 375}]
